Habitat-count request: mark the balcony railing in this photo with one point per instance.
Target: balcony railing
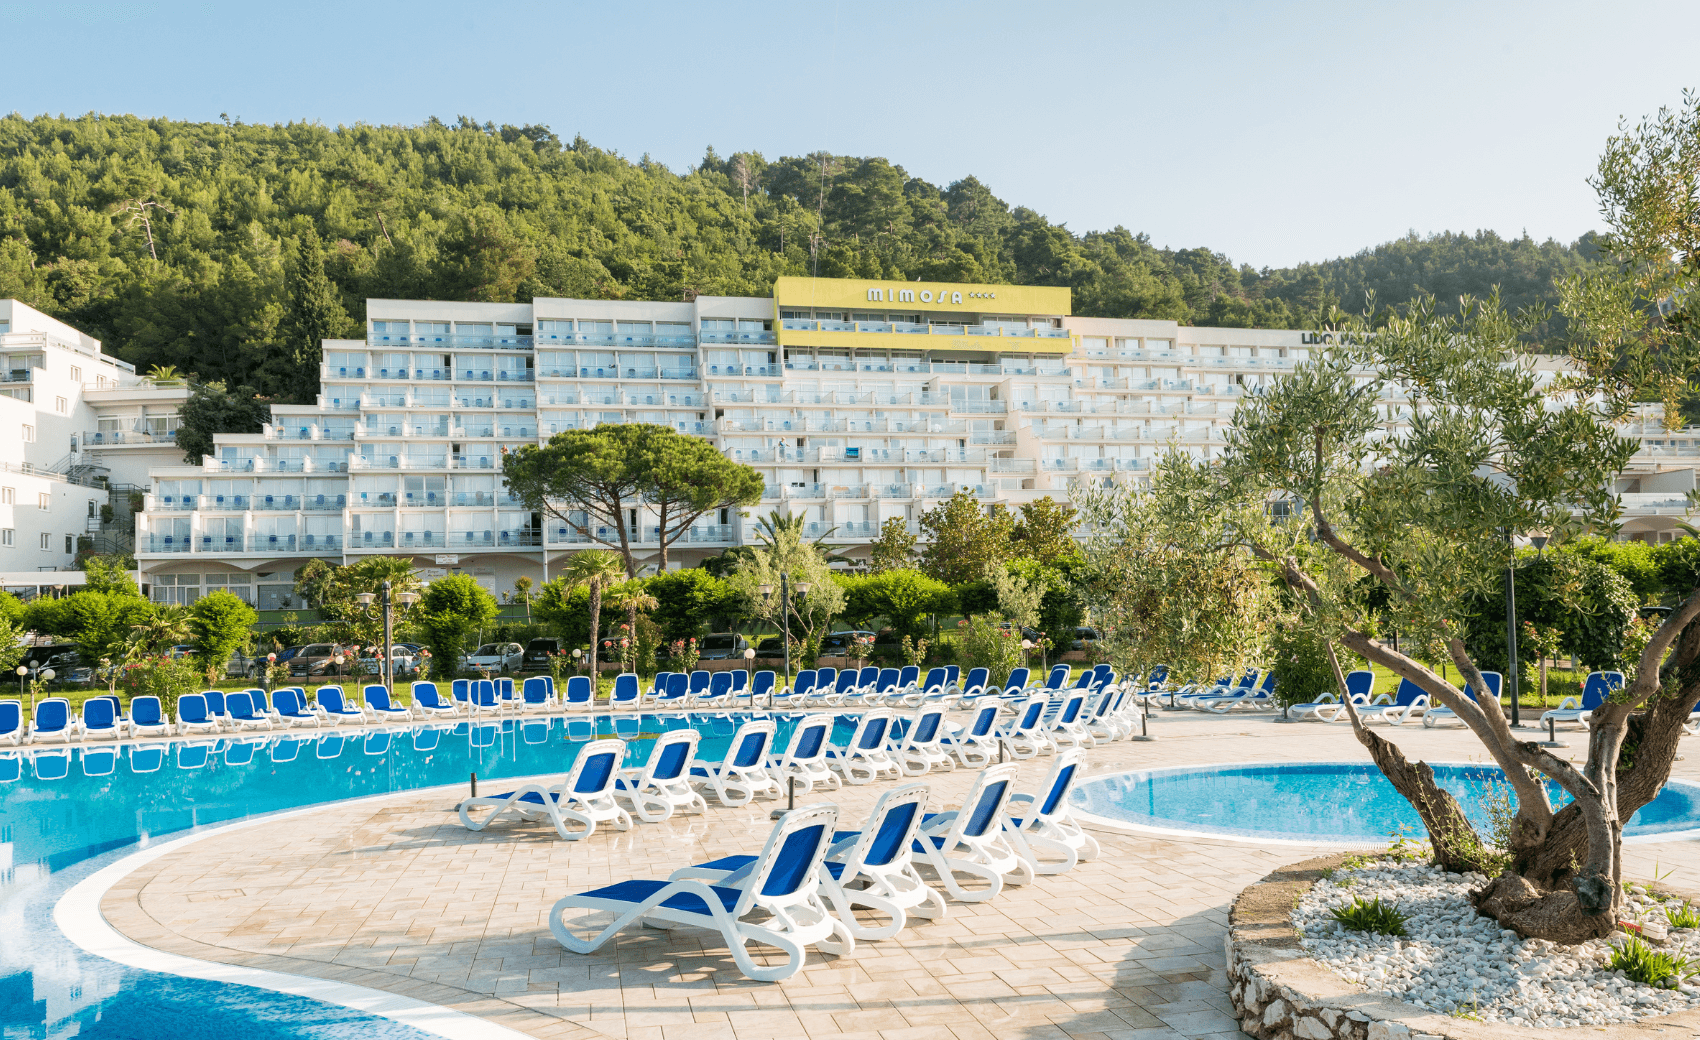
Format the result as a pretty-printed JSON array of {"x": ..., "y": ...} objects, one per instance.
[
  {"x": 736, "y": 336},
  {"x": 100, "y": 438},
  {"x": 244, "y": 543},
  {"x": 514, "y": 342},
  {"x": 617, "y": 339},
  {"x": 278, "y": 432}
]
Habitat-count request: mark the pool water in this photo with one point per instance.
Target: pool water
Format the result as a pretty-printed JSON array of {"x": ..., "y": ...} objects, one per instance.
[
  {"x": 66, "y": 812},
  {"x": 1325, "y": 801}
]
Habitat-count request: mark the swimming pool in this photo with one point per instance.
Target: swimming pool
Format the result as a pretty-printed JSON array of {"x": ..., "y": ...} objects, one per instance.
[
  {"x": 65, "y": 813},
  {"x": 1344, "y": 802}
]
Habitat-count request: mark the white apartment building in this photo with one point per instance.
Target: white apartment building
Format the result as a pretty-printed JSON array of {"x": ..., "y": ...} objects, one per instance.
[{"x": 859, "y": 401}]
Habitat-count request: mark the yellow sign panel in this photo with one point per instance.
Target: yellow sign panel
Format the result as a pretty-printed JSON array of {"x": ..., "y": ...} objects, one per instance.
[{"x": 863, "y": 294}]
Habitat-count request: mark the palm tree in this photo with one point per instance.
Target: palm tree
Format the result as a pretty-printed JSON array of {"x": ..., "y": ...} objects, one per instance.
[
  {"x": 167, "y": 626},
  {"x": 595, "y": 569},
  {"x": 776, "y": 528}
]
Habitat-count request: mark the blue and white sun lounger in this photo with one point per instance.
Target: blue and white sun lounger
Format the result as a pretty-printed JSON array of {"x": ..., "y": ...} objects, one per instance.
[
  {"x": 658, "y": 689},
  {"x": 1440, "y": 713},
  {"x": 428, "y": 702},
  {"x": 292, "y": 712},
  {"x": 1410, "y": 701},
  {"x": 99, "y": 720},
  {"x": 1046, "y": 824},
  {"x": 53, "y": 720},
  {"x": 742, "y": 774},
  {"x": 974, "y": 744},
  {"x": 1025, "y": 733},
  {"x": 863, "y": 757},
  {"x": 974, "y": 686},
  {"x": 1595, "y": 689},
  {"x": 193, "y": 716},
  {"x": 1067, "y": 728},
  {"x": 331, "y": 705},
  {"x": 971, "y": 840},
  {"x": 783, "y": 883},
  {"x": 625, "y": 693},
  {"x": 803, "y": 763},
  {"x": 1329, "y": 707},
  {"x": 580, "y": 693},
  {"x": 534, "y": 695},
  {"x": 585, "y": 797},
  {"x": 662, "y": 786},
  {"x": 12, "y": 722},
  {"x": 719, "y": 693},
  {"x": 917, "y": 742},
  {"x": 146, "y": 717},
  {"x": 801, "y": 689},
  {"x": 377, "y": 698},
  {"x": 240, "y": 708}
]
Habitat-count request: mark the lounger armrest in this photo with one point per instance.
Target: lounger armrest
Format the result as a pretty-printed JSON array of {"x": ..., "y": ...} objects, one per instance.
[
  {"x": 939, "y": 823},
  {"x": 1569, "y": 703},
  {"x": 1382, "y": 698},
  {"x": 722, "y": 878},
  {"x": 1019, "y": 799},
  {"x": 839, "y": 848}
]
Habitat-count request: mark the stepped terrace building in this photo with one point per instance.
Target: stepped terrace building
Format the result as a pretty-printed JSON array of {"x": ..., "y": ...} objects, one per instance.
[{"x": 858, "y": 402}]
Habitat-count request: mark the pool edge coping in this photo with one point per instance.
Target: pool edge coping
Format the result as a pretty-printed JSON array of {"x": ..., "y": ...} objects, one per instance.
[{"x": 78, "y": 916}]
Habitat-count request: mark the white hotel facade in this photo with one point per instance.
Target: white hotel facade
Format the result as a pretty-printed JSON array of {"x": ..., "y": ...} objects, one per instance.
[{"x": 857, "y": 401}]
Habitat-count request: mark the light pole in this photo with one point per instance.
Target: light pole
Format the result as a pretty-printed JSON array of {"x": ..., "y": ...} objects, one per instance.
[
  {"x": 749, "y": 657},
  {"x": 785, "y": 587},
  {"x": 1511, "y": 629},
  {"x": 386, "y": 667},
  {"x": 23, "y": 672}
]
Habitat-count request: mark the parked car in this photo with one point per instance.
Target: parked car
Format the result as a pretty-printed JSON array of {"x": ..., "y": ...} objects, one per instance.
[
  {"x": 772, "y": 646},
  {"x": 494, "y": 657},
  {"x": 1083, "y": 635},
  {"x": 319, "y": 659},
  {"x": 834, "y": 644},
  {"x": 244, "y": 666},
  {"x": 405, "y": 662},
  {"x": 537, "y": 654},
  {"x": 722, "y": 646}
]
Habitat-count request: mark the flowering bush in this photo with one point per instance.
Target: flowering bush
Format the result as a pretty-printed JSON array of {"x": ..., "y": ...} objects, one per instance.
[
  {"x": 685, "y": 654},
  {"x": 914, "y": 651},
  {"x": 165, "y": 677},
  {"x": 560, "y": 662},
  {"x": 859, "y": 648}
]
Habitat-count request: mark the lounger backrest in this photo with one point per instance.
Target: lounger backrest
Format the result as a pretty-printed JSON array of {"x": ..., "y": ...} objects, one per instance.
[
  {"x": 908, "y": 675},
  {"x": 258, "y": 697},
  {"x": 484, "y": 692},
  {"x": 936, "y": 678},
  {"x": 1063, "y": 772},
  {"x": 991, "y": 790},
  {"x": 1268, "y": 685},
  {"x": 720, "y": 685},
  {"x": 671, "y": 756},
  {"x": 868, "y": 676},
  {"x": 285, "y": 701},
  {"x": 660, "y": 685},
  {"x": 215, "y": 701},
  {"x": 1493, "y": 680},
  {"x": 504, "y": 688},
  {"x": 700, "y": 680},
  {"x": 329, "y": 698},
  {"x": 11, "y": 716},
  {"x": 625, "y": 688},
  {"x": 886, "y": 679},
  {"x": 192, "y": 707},
  {"x": 808, "y": 740},
  {"x": 763, "y": 684},
  {"x": 824, "y": 678},
  {"x": 425, "y": 693},
  {"x": 951, "y": 674},
  {"x": 1360, "y": 683},
  {"x": 984, "y": 720},
  {"x": 1058, "y": 676},
  {"x": 740, "y": 679},
  {"x": 377, "y": 696},
  {"x": 925, "y": 730},
  {"x": 534, "y": 690},
  {"x": 1105, "y": 699},
  {"x": 144, "y": 711},
  {"x": 872, "y": 729},
  {"x": 1103, "y": 673},
  {"x": 240, "y": 705},
  {"x": 976, "y": 677},
  {"x": 846, "y": 681},
  {"x": 1017, "y": 679},
  {"x": 1159, "y": 674},
  {"x": 1031, "y": 713},
  {"x": 1598, "y": 686},
  {"x": 749, "y": 744},
  {"x": 578, "y": 689},
  {"x": 890, "y": 828},
  {"x": 1408, "y": 693},
  {"x": 461, "y": 690},
  {"x": 790, "y": 861},
  {"x": 596, "y": 766},
  {"x": 1086, "y": 680},
  {"x": 550, "y": 679},
  {"x": 1071, "y": 708},
  {"x": 678, "y": 684},
  {"x": 97, "y": 714}
]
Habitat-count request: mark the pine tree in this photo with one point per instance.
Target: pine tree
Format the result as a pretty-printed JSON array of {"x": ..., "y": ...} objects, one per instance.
[{"x": 315, "y": 315}]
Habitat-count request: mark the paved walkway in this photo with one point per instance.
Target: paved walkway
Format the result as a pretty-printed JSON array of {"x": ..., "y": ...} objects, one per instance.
[{"x": 395, "y": 895}]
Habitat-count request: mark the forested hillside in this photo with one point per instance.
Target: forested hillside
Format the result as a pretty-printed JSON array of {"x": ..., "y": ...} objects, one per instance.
[{"x": 229, "y": 250}]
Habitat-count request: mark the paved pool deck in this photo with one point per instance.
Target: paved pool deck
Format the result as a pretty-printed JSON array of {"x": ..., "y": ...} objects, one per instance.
[{"x": 393, "y": 894}]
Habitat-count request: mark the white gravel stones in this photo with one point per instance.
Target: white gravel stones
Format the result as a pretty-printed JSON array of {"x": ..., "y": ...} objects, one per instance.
[{"x": 1455, "y": 961}]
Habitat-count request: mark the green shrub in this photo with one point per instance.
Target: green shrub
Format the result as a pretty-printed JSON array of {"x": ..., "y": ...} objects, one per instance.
[
  {"x": 985, "y": 643},
  {"x": 1641, "y": 963},
  {"x": 1683, "y": 916},
  {"x": 1299, "y": 659},
  {"x": 1372, "y": 916}
]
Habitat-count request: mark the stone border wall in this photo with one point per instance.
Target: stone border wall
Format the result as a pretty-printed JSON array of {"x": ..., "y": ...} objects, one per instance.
[{"x": 1279, "y": 993}]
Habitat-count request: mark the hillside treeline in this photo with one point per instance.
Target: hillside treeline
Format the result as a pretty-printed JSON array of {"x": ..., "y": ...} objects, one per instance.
[{"x": 228, "y": 250}]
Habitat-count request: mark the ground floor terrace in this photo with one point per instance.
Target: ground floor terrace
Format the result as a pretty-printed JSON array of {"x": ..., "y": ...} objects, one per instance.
[{"x": 392, "y": 895}]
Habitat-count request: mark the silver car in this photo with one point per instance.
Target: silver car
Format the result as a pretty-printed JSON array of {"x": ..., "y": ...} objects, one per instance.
[{"x": 494, "y": 657}]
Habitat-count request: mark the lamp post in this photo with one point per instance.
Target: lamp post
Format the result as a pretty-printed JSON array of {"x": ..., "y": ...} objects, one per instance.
[
  {"x": 386, "y": 666},
  {"x": 23, "y": 672},
  {"x": 749, "y": 656},
  {"x": 785, "y": 586},
  {"x": 1511, "y": 630}
]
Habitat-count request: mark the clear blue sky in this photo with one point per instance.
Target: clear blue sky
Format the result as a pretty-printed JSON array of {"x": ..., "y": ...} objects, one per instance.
[{"x": 1272, "y": 132}]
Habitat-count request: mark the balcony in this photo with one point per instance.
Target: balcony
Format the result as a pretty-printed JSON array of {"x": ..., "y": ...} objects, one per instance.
[
  {"x": 313, "y": 432},
  {"x": 167, "y": 544},
  {"x": 891, "y": 491},
  {"x": 849, "y": 491},
  {"x": 515, "y": 376},
  {"x": 103, "y": 438},
  {"x": 422, "y": 540},
  {"x": 712, "y": 534},
  {"x": 286, "y": 503},
  {"x": 170, "y": 503},
  {"x": 615, "y": 339},
  {"x": 736, "y": 336},
  {"x": 265, "y": 465},
  {"x": 472, "y": 498},
  {"x": 515, "y": 342},
  {"x": 1010, "y": 465},
  {"x": 807, "y": 491},
  {"x": 224, "y": 503}
]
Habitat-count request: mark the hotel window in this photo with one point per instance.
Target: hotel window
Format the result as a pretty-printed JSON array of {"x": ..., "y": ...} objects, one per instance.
[
  {"x": 60, "y": 405},
  {"x": 70, "y": 544},
  {"x": 7, "y": 535},
  {"x": 29, "y": 434},
  {"x": 76, "y": 374},
  {"x": 46, "y": 540},
  {"x": 239, "y": 585},
  {"x": 8, "y": 496},
  {"x": 44, "y": 500},
  {"x": 178, "y": 589}
]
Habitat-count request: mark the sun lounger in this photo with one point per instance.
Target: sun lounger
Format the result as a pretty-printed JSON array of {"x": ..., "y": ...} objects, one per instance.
[
  {"x": 1067, "y": 728},
  {"x": 971, "y": 840},
  {"x": 625, "y": 694},
  {"x": 719, "y": 692},
  {"x": 976, "y": 743},
  {"x": 534, "y": 695},
  {"x": 1025, "y": 733},
  {"x": 1410, "y": 702},
  {"x": 1329, "y": 707},
  {"x": 1438, "y": 714},
  {"x": 291, "y": 711},
  {"x": 917, "y": 742},
  {"x": 193, "y": 716},
  {"x": 799, "y": 691},
  {"x": 585, "y": 797},
  {"x": 1595, "y": 689},
  {"x": 662, "y": 786},
  {"x": 98, "y": 720},
  {"x": 783, "y": 884},
  {"x": 1254, "y": 698},
  {"x": 580, "y": 694},
  {"x": 53, "y": 720},
  {"x": 1043, "y": 823},
  {"x": 332, "y": 706},
  {"x": 742, "y": 774},
  {"x": 377, "y": 698},
  {"x": 803, "y": 763},
  {"x": 863, "y": 757},
  {"x": 240, "y": 708},
  {"x": 146, "y": 717},
  {"x": 427, "y": 702},
  {"x": 12, "y": 722}
]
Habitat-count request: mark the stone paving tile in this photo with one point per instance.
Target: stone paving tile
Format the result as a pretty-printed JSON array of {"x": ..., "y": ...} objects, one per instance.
[{"x": 395, "y": 895}]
